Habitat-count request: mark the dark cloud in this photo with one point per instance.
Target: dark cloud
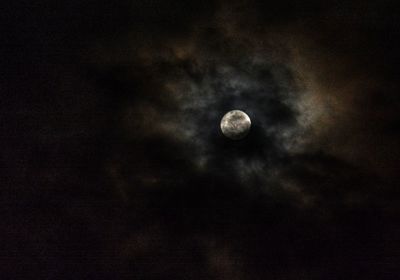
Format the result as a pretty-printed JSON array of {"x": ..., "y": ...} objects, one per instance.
[{"x": 114, "y": 165}]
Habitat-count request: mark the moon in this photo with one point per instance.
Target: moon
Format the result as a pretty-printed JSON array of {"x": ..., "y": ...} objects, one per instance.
[{"x": 235, "y": 124}]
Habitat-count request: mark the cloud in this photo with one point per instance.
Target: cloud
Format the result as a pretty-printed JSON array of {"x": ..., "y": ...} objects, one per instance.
[{"x": 122, "y": 170}]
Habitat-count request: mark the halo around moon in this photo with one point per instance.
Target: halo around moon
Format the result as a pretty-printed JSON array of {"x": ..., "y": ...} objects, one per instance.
[{"x": 235, "y": 124}]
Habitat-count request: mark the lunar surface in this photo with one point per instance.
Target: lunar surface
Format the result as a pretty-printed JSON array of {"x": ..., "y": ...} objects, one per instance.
[{"x": 235, "y": 124}]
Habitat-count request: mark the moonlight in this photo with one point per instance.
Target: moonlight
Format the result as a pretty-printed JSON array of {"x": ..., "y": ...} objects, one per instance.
[{"x": 235, "y": 124}]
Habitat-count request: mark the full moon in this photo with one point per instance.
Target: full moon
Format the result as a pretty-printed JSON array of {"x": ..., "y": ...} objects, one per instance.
[{"x": 235, "y": 124}]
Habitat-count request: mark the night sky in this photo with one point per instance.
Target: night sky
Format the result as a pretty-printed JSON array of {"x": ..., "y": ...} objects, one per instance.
[{"x": 113, "y": 164}]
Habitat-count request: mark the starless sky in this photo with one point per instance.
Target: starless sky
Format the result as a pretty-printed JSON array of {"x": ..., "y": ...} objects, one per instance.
[{"x": 113, "y": 165}]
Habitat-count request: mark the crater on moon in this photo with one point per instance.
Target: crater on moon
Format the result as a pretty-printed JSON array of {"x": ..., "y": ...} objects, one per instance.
[{"x": 235, "y": 124}]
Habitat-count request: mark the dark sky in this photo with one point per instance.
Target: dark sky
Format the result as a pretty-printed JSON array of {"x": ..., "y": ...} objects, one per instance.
[{"x": 113, "y": 165}]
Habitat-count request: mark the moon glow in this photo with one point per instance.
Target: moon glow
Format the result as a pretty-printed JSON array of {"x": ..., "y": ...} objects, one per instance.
[{"x": 235, "y": 124}]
